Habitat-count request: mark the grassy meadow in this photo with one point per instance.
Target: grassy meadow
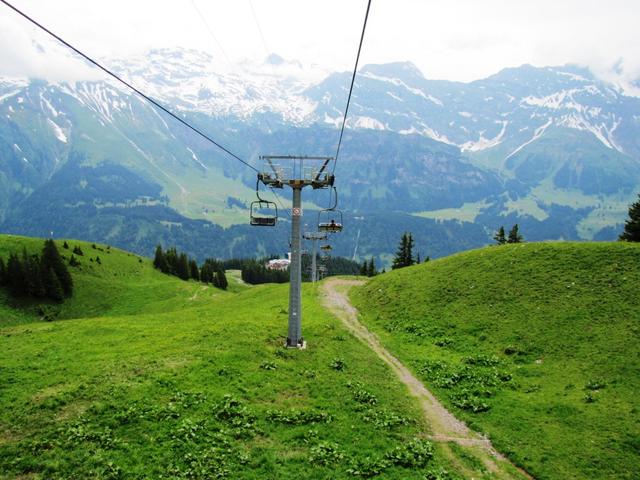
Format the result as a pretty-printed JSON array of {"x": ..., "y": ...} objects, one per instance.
[
  {"x": 142, "y": 375},
  {"x": 536, "y": 345}
]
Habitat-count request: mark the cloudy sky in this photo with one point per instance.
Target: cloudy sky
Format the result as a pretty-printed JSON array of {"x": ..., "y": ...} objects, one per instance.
[{"x": 455, "y": 40}]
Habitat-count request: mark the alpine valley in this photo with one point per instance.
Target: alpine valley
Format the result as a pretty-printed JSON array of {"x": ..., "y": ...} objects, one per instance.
[{"x": 553, "y": 149}]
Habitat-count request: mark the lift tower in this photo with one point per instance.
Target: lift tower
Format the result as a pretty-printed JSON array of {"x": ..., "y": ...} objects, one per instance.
[
  {"x": 298, "y": 172},
  {"x": 314, "y": 237}
]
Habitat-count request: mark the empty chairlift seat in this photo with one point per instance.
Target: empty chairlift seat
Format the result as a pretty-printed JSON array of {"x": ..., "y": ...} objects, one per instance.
[{"x": 263, "y": 213}]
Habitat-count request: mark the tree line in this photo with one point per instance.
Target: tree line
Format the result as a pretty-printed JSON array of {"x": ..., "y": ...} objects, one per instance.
[
  {"x": 255, "y": 272},
  {"x": 333, "y": 266},
  {"x": 404, "y": 255},
  {"x": 513, "y": 237},
  {"x": 631, "y": 232},
  {"x": 43, "y": 276},
  {"x": 368, "y": 268},
  {"x": 179, "y": 264}
]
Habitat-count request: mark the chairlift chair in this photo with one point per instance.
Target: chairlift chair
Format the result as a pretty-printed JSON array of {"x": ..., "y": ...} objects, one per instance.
[
  {"x": 326, "y": 248},
  {"x": 263, "y": 213},
  {"x": 259, "y": 218},
  {"x": 330, "y": 219}
]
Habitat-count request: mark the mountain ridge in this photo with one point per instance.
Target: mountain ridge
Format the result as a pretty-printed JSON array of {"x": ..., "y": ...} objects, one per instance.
[{"x": 519, "y": 146}]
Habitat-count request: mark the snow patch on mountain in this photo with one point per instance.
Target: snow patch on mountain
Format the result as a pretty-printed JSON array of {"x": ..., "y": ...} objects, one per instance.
[
  {"x": 58, "y": 132},
  {"x": 483, "y": 143},
  {"x": 47, "y": 104},
  {"x": 600, "y": 131},
  {"x": 572, "y": 76},
  {"x": 335, "y": 121},
  {"x": 400, "y": 83},
  {"x": 431, "y": 133},
  {"x": 536, "y": 135},
  {"x": 196, "y": 159},
  {"x": 5, "y": 96},
  {"x": 367, "y": 123}
]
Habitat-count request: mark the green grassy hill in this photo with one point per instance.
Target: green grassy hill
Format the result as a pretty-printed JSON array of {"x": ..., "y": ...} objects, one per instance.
[
  {"x": 121, "y": 284},
  {"x": 537, "y": 345},
  {"x": 145, "y": 376}
]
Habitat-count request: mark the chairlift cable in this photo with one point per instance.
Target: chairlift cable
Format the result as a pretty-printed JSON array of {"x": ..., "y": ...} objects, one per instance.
[
  {"x": 210, "y": 30},
  {"x": 280, "y": 202},
  {"x": 266, "y": 49},
  {"x": 353, "y": 78},
  {"x": 141, "y": 94}
]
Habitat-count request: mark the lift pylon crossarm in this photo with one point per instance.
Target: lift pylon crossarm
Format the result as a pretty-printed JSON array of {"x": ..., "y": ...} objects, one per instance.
[{"x": 299, "y": 174}]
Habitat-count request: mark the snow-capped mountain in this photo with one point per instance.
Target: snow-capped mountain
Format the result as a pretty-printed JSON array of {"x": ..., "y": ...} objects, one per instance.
[
  {"x": 195, "y": 81},
  {"x": 554, "y": 149}
]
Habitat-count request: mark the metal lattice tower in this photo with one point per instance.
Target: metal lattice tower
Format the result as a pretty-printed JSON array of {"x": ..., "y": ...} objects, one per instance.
[{"x": 300, "y": 172}]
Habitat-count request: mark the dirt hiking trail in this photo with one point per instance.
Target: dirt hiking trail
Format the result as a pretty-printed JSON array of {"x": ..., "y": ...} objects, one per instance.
[{"x": 445, "y": 428}]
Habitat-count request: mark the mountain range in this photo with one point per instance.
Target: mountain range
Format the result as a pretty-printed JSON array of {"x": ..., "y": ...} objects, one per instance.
[{"x": 553, "y": 149}]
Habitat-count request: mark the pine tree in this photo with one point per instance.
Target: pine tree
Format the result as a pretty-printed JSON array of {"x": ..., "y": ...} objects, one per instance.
[
  {"x": 499, "y": 237},
  {"x": 160, "y": 261},
  {"x": 221, "y": 280},
  {"x": 15, "y": 276},
  {"x": 363, "y": 269},
  {"x": 51, "y": 259},
  {"x": 3, "y": 272},
  {"x": 404, "y": 255},
  {"x": 78, "y": 251},
  {"x": 182, "y": 267},
  {"x": 193, "y": 270},
  {"x": 514, "y": 235},
  {"x": 206, "y": 272},
  {"x": 171, "y": 256},
  {"x": 373, "y": 271},
  {"x": 401, "y": 255},
  {"x": 409, "y": 258},
  {"x": 32, "y": 275},
  {"x": 65, "y": 245},
  {"x": 631, "y": 231},
  {"x": 52, "y": 284},
  {"x": 73, "y": 261}
]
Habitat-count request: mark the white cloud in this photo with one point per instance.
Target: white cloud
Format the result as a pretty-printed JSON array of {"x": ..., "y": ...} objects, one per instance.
[
  {"x": 460, "y": 40},
  {"x": 26, "y": 52}
]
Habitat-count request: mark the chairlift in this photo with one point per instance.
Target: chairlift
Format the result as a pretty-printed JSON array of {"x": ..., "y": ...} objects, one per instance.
[
  {"x": 263, "y": 213},
  {"x": 330, "y": 219},
  {"x": 326, "y": 248}
]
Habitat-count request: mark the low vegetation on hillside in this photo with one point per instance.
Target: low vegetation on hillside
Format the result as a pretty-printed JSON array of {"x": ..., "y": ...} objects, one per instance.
[
  {"x": 154, "y": 377},
  {"x": 536, "y": 345}
]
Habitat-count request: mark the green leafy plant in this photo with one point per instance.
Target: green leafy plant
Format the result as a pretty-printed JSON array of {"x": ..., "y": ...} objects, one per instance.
[
  {"x": 415, "y": 454},
  {"x": 325, "y": 454},
  {"x": 338, "y": 364}
]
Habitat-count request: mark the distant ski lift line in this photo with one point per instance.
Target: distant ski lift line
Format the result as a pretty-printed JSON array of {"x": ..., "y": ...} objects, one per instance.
[{"x": 140, "y": 93}]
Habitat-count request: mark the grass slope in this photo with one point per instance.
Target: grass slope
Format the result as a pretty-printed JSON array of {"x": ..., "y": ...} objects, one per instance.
[
  {"x": 174, "y": 381},
  {"x": 122, "y": 284},
  {"x": 534, "y": 344}
]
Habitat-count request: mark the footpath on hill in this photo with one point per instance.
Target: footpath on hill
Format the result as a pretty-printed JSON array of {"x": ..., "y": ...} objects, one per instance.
[{"x": 445, "y": 428}]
